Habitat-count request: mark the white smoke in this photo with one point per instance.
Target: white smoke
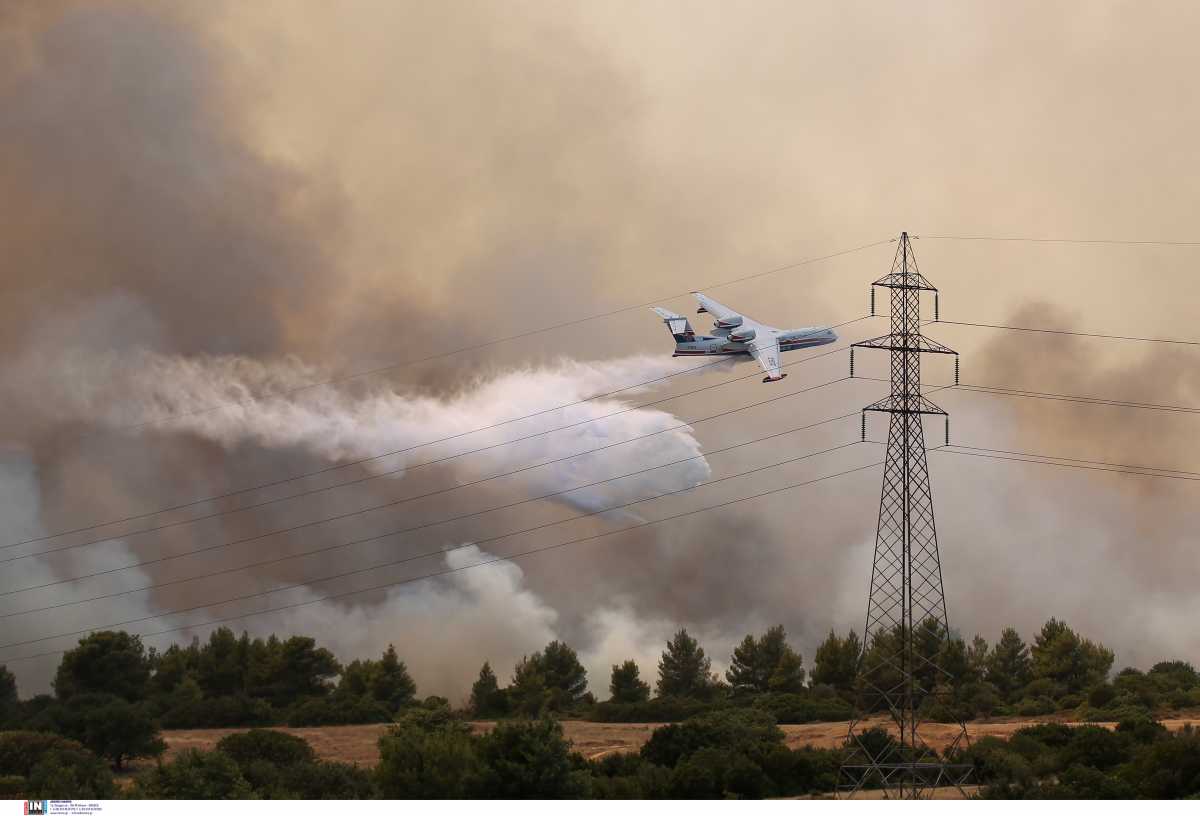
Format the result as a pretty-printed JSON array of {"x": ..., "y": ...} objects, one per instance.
[
  {"x": 265, "y": 405},
  {"x": 19, "y": 503},
  {"x": 493, "y": 616},
  {"x": 235, "y": 400}
]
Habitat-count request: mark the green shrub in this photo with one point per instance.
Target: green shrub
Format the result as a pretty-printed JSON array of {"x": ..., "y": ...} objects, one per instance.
[
  {"x": 328, "y": 780},
  {"x": 1096, "y": 747},
  {"x": 659, "y": 709},
  {"x": 1128, "y": 712},
  {"x": 796, "y": 708},
  {"x": 994, "y": 761},
  {"x": 1101, "y": 695},
  {"x": 804, "y": 770},
  {"x": 21, "y": 750},
  {"x": 713, "y": 773},
  {"x": 1167, "y": 768},
  {"x": 1180, "y": 698},
  {"x": 1036, "y": 707},
  {"x": 338, "y": 711},
  {"x": 979, "y": 699},
  {"x": 193, "y": 775},
  {"x": 1081, "y": 782},
  {"x": 275, "y": 747},
  {"x": 639, "y": 780},
  {"x": 427, "y": 757},
  {"x": 70, "y": 773},
  {"x": 1052, "y": 735},
  {"x": 1142, "y": 730},
  {"x": 1043, "y": 687},
  {"x": 525, "y": 760},
  {"x": 736, "y": 728},
  {"x": 1070, "y": 701}
]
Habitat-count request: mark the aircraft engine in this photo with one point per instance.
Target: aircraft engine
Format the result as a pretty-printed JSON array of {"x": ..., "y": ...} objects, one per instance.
[
  {"x": 729, "y": 322},
  {"x": 742, "y": 335}
]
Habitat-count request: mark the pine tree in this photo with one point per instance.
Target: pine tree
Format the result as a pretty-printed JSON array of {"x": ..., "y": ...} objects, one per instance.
[
  {"x": 626, "y": 685},
  {"x": 684, "y": 671},
  {"x": 1009, "y": 668},
  {"x": 528, "y": 688},
  {"x": 766, "y": 664},
  {"x": 977, "y": 658},
  {"x": 485, "y": 693},
  {"x": 8, "y": 688},
  {"x": 390, "y": 681},
  {"x": 836, "y": 661},
  {"x": 562, "y": 670},
  {"x": 1059, "y": 654}
]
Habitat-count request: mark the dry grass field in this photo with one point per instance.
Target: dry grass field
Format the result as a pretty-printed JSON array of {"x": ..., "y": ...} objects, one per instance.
[{"x": 356, "y": 743}]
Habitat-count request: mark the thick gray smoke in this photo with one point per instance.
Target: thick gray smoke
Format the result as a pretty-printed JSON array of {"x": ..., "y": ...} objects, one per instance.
[{"x": 220, "y": 202}]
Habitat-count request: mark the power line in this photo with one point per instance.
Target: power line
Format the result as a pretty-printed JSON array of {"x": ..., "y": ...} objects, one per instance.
[
  {"x": 1073, "y": 333},
  {"x": 396, "y": 502},
  {"x": 342, "y": 465},
  {"x": 375, "y": 457},
  {"x": 1000, "y": 391},
  {"x": 450, "y": 570},
  {"x": 611, "y": 313},
  {"x": 409, "y": 467},
  {"x": 504, "y": 339},
  {"x": 1079, "y": 464},
  {"x": 1045, "y": 395},
  {"x": 1056, "y": 240},
  {"x": 461, "y": 517}
]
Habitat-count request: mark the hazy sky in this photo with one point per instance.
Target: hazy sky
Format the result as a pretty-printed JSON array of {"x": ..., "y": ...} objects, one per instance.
[{"x": 204, "y": 202}]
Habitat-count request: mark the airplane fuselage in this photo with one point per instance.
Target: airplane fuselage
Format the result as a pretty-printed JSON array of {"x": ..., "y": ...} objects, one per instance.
[
  {"x": 720, "y": 343},
  {"x": 735, "y": 334}
]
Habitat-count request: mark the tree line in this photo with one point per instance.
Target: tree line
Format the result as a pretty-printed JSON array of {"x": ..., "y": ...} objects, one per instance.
[{"x": 112, "y": 696}]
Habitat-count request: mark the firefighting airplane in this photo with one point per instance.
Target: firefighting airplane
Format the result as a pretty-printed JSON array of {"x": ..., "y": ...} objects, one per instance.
[{"x": 737, "y": 334}]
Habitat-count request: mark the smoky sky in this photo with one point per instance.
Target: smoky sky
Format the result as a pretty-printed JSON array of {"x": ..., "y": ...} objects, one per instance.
[{"x": 211, "y": 204}]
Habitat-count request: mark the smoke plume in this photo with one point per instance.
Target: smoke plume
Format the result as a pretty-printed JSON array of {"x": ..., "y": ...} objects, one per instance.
[{"x": 220, "y": 204}]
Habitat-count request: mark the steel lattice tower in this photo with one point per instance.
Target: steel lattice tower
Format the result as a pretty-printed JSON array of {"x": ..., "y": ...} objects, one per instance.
[{"x": 899, "y": 672}]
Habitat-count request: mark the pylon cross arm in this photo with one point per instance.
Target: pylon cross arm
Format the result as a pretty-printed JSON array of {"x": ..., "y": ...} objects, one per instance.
[
  {"x": 910, "y": 341},
  {"x": 910, "y": 279},
  {"x": 905, "y": 404}
]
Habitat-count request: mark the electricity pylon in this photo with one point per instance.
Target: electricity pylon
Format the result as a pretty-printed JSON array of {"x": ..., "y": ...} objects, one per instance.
[{"x": 900, "y": 673}]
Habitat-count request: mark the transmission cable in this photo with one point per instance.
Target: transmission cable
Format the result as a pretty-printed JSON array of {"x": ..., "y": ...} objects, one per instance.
[
  {"x": 1055, "y": 240},
  {"x": 1080, "y": 464},
  {"x": 404, "y": 500},
  {"x": 1062, "y": 461},
  {"x": 1001, "y": 391},
  {"x": 489, "y": 427},
  {"x": 409, "y": 467},
  {"x": 1072, "y": 333},
  {"x": 504, "y": 339},
  {"x": 497, "y": 559},
  {"x": 724, "y": 360},
  {"x": 406, "y": 530}
]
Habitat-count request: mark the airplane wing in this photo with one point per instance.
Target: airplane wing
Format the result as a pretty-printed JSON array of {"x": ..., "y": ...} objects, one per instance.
[
  {"x": 709, "y": 305},
  {"x": 766, "y": 351}
]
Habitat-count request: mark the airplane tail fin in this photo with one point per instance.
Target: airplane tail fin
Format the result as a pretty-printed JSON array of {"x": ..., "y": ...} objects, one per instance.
[{"x": 677, "y": 324}]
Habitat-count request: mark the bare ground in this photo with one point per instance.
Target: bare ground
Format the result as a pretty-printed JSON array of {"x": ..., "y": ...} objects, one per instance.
[{"x": 357, "y": 743}]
